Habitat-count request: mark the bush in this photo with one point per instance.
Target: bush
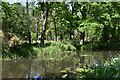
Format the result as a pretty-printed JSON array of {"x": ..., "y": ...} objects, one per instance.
[
  {"x": 100, "y": 46},
  {"x": 20, "y": 51},
  {"x": 65, "y": 46},
  {"x": 56, "y": 51},
  {"x": 110, "y": 69}
]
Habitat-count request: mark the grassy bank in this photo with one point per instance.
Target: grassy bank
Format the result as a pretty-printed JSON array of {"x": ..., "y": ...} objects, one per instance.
[{"x": 51, "y": 49}]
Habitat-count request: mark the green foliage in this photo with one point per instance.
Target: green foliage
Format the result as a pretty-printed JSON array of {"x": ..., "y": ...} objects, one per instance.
[
  {"x": 20, "y": 51},
  {"x": 110, "y": 69},
  {"x": 54, "y": 50},
  {"x": 93, "y": 22},
  {"x": 100, "y": 46},
  {"x": 65, "y": 46}
]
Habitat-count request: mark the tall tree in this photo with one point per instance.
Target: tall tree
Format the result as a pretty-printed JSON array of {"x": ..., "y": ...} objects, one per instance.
[
  {"x": 44, "y": 21},
  {"x": 28, "y": 26}
]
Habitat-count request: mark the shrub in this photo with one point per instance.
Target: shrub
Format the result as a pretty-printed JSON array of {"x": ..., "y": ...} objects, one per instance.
[
  {"x": 65, "y": 46},
  {"x": 110, "y": 69}
]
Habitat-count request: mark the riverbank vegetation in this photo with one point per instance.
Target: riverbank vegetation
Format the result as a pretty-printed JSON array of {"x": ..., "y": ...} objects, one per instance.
[
  {"x": 85, "y": 26},
  {"x": 51, "y": 49},
  {"x": 108, "y": 70}
]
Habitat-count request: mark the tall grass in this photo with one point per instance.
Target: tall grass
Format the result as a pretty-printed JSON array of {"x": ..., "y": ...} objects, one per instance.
[{"x": 52, "y": 50}]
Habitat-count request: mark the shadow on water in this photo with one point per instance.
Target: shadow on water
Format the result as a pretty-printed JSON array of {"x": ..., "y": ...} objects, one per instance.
[{"x": 29, "y": 68}]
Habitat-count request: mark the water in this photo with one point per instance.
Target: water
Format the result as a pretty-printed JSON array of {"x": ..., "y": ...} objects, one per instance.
[{"x": 34, "y": 67}]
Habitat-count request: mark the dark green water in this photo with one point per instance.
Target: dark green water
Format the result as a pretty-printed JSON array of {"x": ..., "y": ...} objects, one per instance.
[{"x": 46, "y": 67}]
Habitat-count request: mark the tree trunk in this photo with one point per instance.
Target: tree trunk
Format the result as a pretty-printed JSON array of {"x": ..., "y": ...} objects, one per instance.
[
  {"x": 35, "y": 25},
  {"x": 118, "y": 31},
  {"x": 105, "y": 34},
  {"x": 70, "y": 35},
  {"x": 71, "y": 25},
  {"x": 55, "y": 38},
  {"x": 84, "y": 14},
  {"x": 61, "y": 37},
  {"x": 45, "y": 15},
  {"x": 83, "y": 37},
  {"x": 37, "y": 31},
  {"x": 29, "y": 36}
]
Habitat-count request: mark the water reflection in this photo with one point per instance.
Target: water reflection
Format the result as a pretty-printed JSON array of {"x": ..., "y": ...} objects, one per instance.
[
  {"x": 15, "y": 68},
  {"x": 29, "y": 68},
  {"x": 93, "y": 58}
]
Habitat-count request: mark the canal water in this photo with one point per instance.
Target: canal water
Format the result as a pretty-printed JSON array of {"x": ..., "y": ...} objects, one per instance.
[{"x": 28, "y": 68}]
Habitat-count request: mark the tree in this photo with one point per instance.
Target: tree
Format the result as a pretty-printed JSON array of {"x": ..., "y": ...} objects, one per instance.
[
  {"x": 44, "y": 21},
  {"x": 29, "y": 34}
]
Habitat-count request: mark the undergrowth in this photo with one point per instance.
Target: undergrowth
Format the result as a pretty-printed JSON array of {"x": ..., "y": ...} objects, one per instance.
[{"x": 52, "y": 49}]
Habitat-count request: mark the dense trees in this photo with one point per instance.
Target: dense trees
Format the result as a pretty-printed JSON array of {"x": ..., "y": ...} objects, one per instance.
[{"x": 87, "y": 24}]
